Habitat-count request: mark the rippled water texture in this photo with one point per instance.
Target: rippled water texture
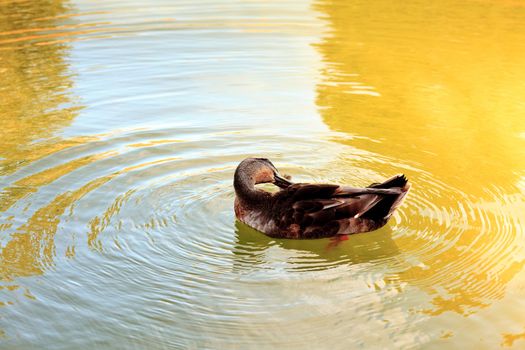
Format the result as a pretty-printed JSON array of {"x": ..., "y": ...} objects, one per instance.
[{"x": 122, "y": 123}]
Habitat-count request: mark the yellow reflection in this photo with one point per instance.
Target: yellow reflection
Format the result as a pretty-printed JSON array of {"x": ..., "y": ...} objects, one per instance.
[
  {"x": 24, "y": 187},
  {"x": 34, "y": 104},
  {"x": 33, "y": 246},
  {"x": 34, "y": 98},
  {"x": 438, "y": 87},
  {"x": 509, "y": 338},
  {"x": 451, "y": 81}
]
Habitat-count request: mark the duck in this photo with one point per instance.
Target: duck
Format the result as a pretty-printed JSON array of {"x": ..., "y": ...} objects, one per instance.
[{"x": 311, "y": 210}]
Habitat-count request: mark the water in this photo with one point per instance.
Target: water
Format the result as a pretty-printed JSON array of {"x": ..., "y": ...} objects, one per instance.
[{"x": 122, "y": 124}]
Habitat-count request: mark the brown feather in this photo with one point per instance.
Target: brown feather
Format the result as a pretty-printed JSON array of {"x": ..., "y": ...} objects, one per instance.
[{"x": 313, "y": 210}]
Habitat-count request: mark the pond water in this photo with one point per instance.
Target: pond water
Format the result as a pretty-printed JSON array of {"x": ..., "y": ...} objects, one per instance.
[{"x": 122, "y": 123}]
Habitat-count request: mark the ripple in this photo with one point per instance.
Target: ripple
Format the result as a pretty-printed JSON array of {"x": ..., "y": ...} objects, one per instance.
[
  {"x": 116, "y": 206},
  {"x": 462, "y": 244},
  {"x": 175, "y": 196},
  {"x": 156, "y": 207}
]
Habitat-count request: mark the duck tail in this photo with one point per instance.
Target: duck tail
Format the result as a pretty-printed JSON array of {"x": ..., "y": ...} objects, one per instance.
[{"x": 388, "y": 204}]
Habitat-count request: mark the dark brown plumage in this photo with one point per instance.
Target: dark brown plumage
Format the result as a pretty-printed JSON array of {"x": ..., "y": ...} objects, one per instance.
[{"x": 302, "y": 210}]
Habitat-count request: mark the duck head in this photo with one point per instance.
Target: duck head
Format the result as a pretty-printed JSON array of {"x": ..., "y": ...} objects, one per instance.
[{"x": 252, "y": 171}]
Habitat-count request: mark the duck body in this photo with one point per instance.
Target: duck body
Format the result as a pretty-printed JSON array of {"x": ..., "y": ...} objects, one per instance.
[{"x": 303, "y": 210}]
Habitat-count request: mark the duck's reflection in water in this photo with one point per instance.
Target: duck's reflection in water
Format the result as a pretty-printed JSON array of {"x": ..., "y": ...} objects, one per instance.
[{"x": 255, "y": 249}]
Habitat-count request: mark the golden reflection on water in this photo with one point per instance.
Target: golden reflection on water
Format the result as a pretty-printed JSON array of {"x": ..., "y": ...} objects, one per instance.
[
  {"x": 509, "y": 339},
  {"x": 34, "y": 98},
  {"x": 34, "y": 105},
  {"x": 450, "y": 100},
  {"x": 439, "y": 87}
]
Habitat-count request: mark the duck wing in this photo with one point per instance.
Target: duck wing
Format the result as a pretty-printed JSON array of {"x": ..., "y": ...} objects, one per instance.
[{"x": 321, "y": 210}]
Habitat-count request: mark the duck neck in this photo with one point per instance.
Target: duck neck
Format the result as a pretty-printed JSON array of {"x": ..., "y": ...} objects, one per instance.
[{"x": 245, "y": 190}]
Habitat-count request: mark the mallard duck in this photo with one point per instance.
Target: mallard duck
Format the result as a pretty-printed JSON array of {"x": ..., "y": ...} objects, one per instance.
[{"x": 305, "y": 210}]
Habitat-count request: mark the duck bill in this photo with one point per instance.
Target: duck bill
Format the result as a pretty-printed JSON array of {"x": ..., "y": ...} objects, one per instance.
[{"x": 280, "y": 181}]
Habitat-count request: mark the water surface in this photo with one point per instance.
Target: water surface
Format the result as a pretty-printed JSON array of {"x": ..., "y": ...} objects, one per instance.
[{"x": 122, "y": 126}]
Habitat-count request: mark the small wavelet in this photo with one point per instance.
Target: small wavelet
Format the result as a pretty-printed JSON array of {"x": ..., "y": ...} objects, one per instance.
[{"x": 122, "y": 126}]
